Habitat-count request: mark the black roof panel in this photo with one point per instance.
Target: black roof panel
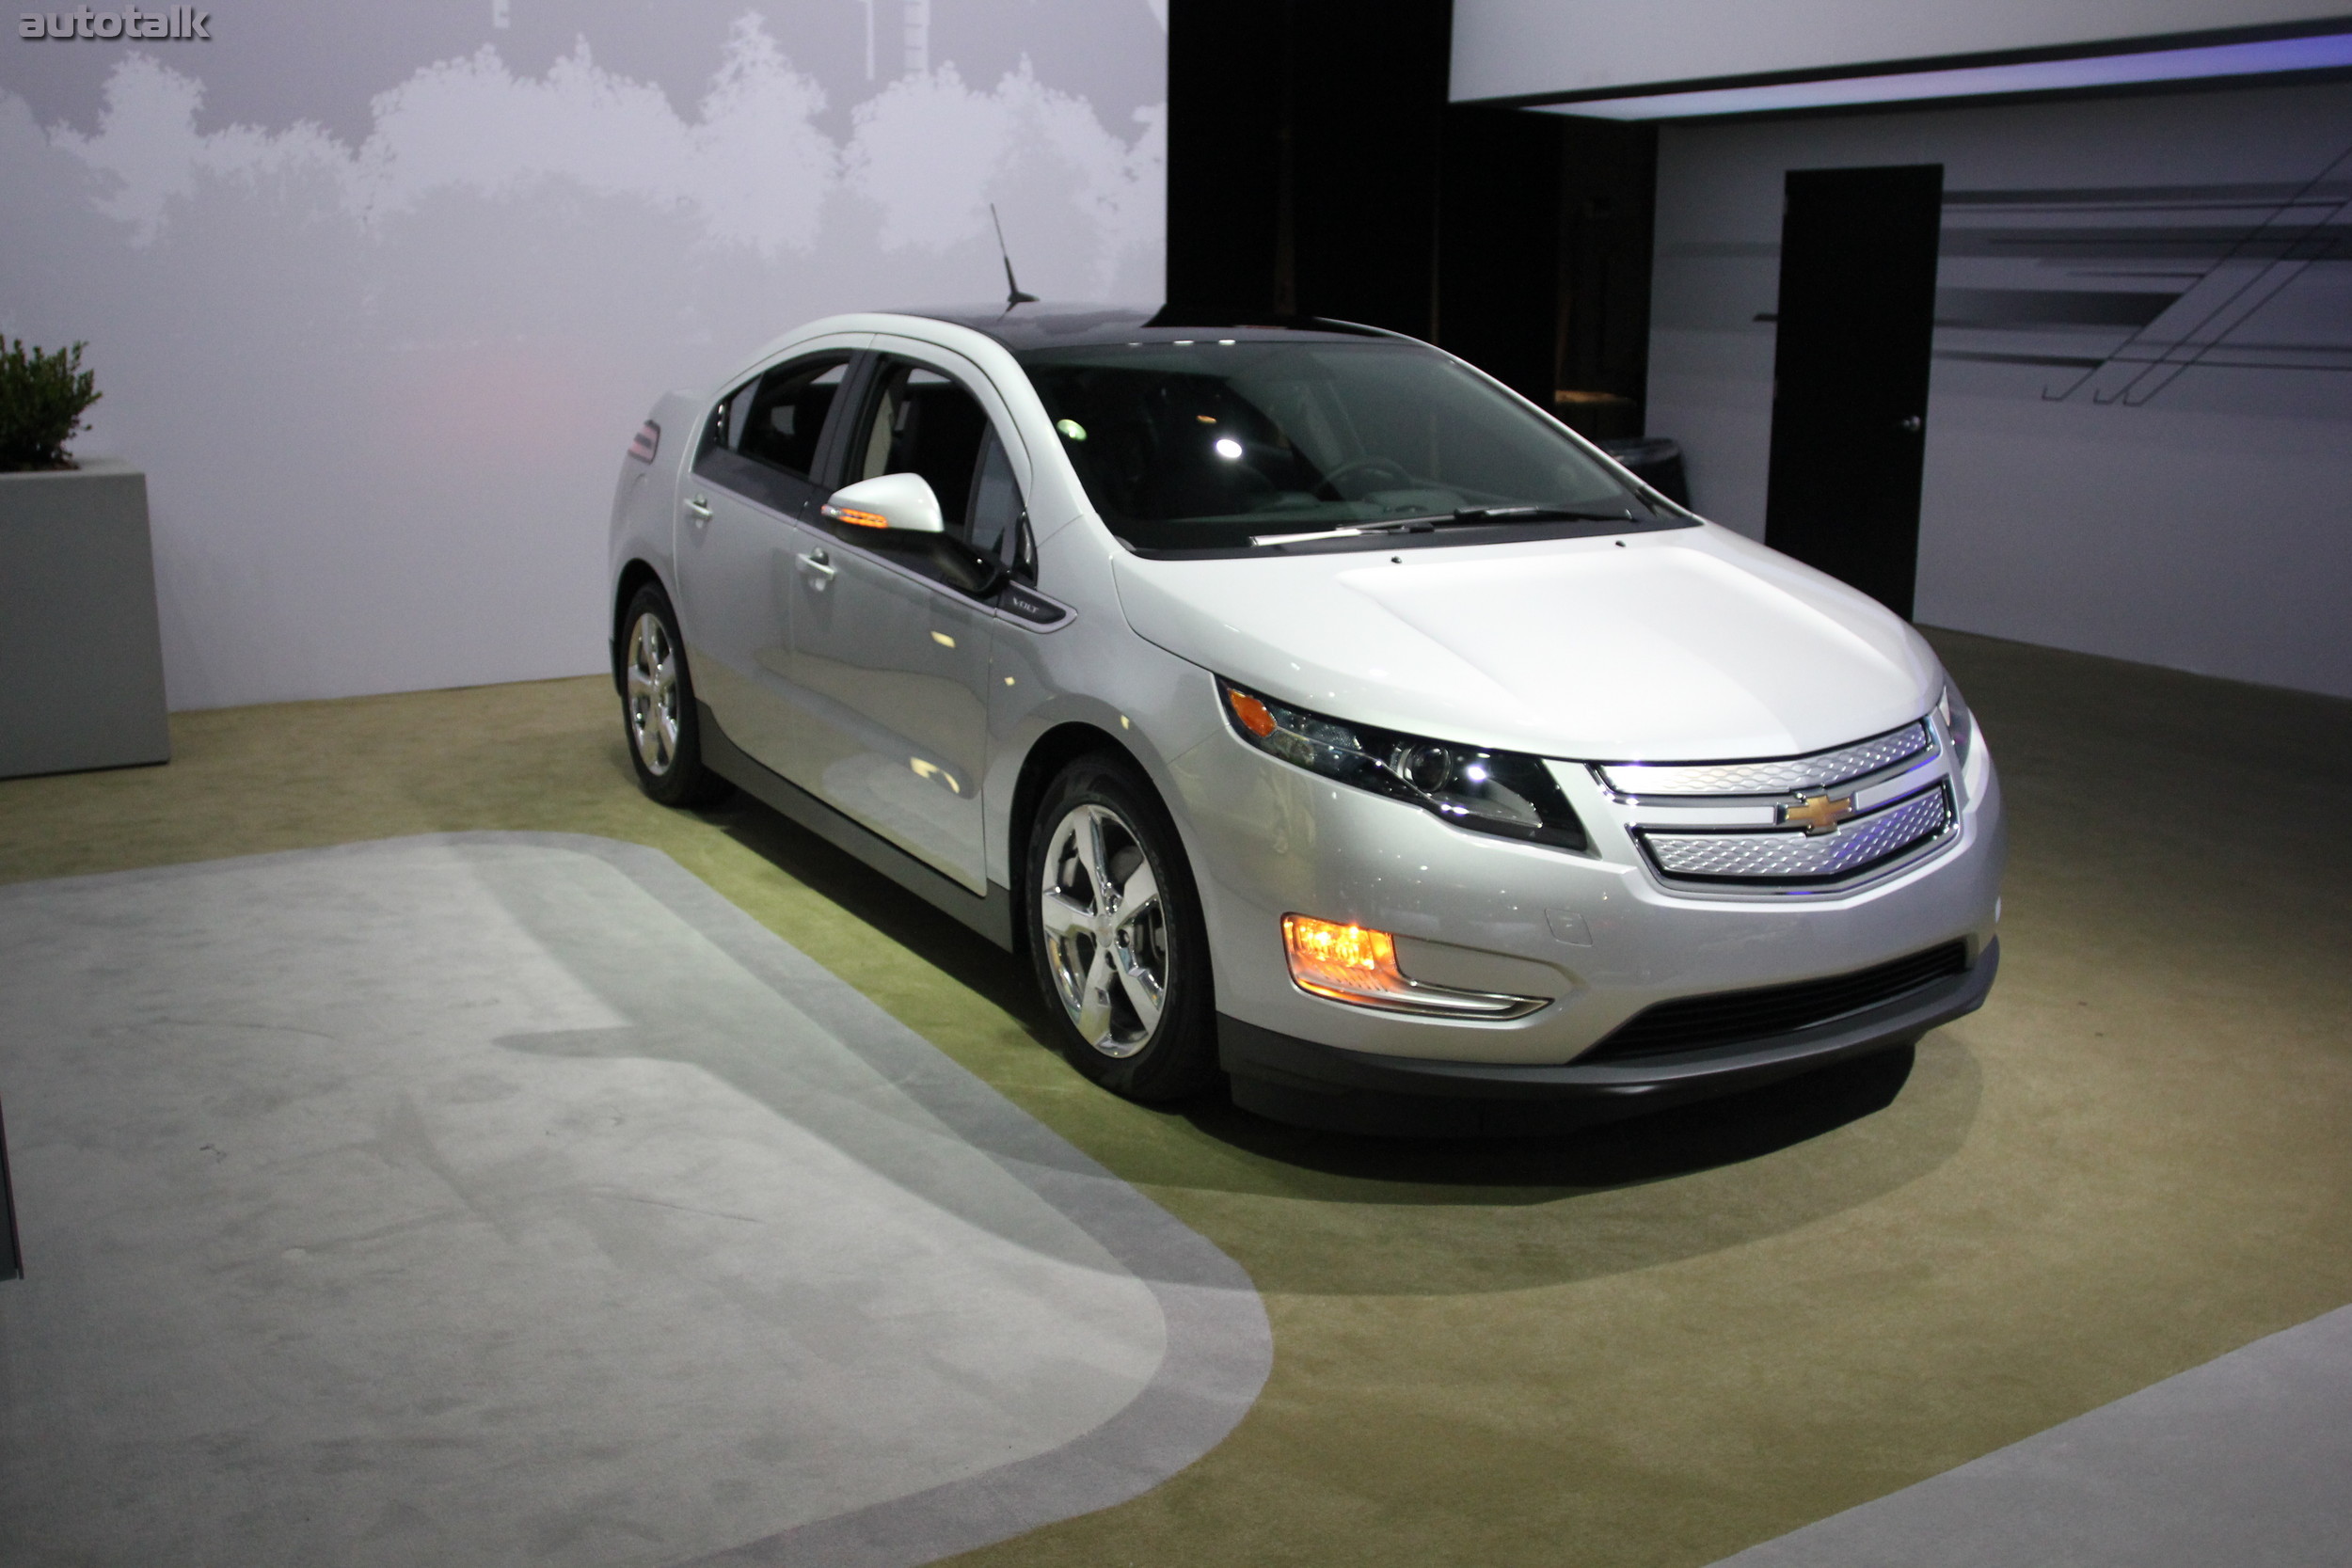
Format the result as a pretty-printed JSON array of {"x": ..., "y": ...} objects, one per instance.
[{"x": 1027, "y": 328}]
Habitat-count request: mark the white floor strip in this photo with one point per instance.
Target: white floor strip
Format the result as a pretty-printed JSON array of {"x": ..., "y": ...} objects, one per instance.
[
  {"x": 515, "y": 1198},
  {"x": 2242, "y": 1463}
]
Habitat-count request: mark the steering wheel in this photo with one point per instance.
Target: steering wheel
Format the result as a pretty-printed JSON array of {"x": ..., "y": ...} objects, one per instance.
[{"x": 1387, "y": 469}]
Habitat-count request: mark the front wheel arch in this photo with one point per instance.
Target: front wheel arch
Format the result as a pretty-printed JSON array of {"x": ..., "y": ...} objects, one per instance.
[{"x": 1056, "y": 749}]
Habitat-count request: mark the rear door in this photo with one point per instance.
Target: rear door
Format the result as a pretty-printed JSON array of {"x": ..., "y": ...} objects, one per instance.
[
  {"x": 754, "y": 476},
  {"x": 1849, "y": 373},
  {"x": 890, "y": 644}
]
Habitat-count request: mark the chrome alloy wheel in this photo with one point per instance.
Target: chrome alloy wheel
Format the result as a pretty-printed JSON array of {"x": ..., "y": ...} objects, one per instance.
[
  {"x": 1105, "y": 930},
  {"x": 652, "y": 679}
]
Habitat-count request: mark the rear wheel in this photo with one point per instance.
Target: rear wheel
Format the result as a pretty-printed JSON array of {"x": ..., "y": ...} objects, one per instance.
[
  {"x": 657, "y": 707},
  {"x": 1116, "y": 935}
]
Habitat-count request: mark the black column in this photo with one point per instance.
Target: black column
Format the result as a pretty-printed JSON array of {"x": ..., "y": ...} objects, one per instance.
[
  {"x": 1316, "y": 168},
  {"x": 1228, "y": 92},
  {"x": 1304, "y": 142},
  {"x": 1607, "y": 201}
]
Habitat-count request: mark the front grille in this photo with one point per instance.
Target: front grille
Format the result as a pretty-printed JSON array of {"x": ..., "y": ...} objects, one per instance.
[
  {"x": 1774, "y": 776},
  {"x": 1783, "y": 858},
  {"x": 1737, "y": 1017}
]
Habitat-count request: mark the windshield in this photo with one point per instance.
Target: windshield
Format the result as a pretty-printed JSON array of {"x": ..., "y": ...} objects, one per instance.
[{"x": 1209, "y": 446}]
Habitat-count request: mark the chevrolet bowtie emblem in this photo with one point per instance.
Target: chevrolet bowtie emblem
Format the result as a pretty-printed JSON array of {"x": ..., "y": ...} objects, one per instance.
[{"x": 1817, "y": 814}]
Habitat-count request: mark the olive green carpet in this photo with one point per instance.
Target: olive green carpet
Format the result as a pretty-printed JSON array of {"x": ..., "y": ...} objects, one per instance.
[{"x": 1661, "y": 1343}]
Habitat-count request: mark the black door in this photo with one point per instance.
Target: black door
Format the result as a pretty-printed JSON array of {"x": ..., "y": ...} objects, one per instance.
[{"x": 1850, "y": 376}]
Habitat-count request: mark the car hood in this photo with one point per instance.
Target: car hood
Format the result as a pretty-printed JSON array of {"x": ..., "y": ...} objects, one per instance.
[{"x": 1691, "y": 645}]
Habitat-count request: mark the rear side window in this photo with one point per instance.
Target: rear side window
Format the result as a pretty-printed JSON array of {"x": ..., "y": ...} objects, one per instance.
[
  {"x": 780, "y": 421},
  {"x": 764, "y": 439}
]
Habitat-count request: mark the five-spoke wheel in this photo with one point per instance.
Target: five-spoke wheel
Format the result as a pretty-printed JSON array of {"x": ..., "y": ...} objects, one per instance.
[
  {"x": 1122, "y": 955},
  {"x": 658, "y": 705},
  {"x": 650, "y": 670},
  {"x": 1104, "y": 930}
]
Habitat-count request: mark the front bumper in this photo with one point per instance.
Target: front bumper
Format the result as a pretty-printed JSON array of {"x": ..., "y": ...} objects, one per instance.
[
  {"x": 1598, "y": 933},
  {"x": 1311, "y": 1085}
]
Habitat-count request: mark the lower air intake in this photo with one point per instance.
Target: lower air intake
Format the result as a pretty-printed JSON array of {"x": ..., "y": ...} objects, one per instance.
[{"x": 1734, "y": 1018}]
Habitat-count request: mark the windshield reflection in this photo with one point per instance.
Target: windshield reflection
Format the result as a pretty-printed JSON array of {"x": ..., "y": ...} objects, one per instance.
[{"x": 1210, "y": 445}]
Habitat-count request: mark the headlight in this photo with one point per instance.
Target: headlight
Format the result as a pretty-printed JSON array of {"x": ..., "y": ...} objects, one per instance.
[
  {"x": 1501, "y": 793},
  {"x": 1958, "y": 721}
]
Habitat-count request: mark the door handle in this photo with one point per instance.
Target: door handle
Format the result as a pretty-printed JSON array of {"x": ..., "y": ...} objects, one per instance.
[
  {"x": 818, "y": 567},
  {"x": 698, "y": 508}
]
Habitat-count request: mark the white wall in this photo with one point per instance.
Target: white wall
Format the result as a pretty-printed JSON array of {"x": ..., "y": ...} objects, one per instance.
[
  {"x": 378, "y": 294},
  {"x": 2201, "y": 520},
  {"x": 1507, "y": 48}
]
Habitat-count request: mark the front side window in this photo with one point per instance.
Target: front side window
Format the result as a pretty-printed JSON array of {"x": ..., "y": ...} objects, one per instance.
[
  {"x": 998, "y": 523},
  {"x": 918, "y": 421},
  {"x": 1212, "y": 445},
  {"x": 922, "y": 422}
]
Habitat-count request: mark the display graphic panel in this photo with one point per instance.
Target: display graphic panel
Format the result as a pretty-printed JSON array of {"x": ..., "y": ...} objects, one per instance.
[{"x": 2141, "y": 372}]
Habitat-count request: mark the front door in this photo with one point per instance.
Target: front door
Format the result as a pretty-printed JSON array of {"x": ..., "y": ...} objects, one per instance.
[
  {"x": 890, "y": 655},
  {"x": 752, "y": 482},
  {"x": 1849, "y": 375}
]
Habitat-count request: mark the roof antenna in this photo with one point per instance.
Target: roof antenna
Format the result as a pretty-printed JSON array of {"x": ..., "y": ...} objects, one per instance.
[{"x": 1013, "y": 291}]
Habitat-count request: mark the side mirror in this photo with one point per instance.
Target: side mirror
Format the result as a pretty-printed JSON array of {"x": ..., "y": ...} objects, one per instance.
[{"x": 902, "y": 502}]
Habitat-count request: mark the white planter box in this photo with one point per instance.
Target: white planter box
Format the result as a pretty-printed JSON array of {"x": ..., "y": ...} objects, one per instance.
[{"x": 85, "y": 687}]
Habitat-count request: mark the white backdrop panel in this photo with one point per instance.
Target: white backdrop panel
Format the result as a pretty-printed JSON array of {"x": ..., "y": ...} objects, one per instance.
[{"x": 378, "y": 294}]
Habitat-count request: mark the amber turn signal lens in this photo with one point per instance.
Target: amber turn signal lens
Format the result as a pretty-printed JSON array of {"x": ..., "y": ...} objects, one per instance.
[
  {"x": 1253, "y": 717},
  {"x": 1348, "y": 963},
  {"x": 855, "y": 518}
]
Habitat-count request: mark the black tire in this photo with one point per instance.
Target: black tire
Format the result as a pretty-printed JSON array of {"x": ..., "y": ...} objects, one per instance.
[
  {"x": 659, "y": 720},
  {"x": 1171, "y": 1055}
]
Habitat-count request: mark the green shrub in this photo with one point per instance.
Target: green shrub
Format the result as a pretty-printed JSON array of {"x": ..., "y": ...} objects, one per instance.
[{"x": 42, "y": 396}]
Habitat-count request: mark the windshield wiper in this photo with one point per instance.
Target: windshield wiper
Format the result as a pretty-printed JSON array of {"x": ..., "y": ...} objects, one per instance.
[
  {"x": 1385, "y": 525},
  {"x": 1467, "y": 514},
  {"x": 1470, "y": 514},
  {"x": 1539, "y": 514}
]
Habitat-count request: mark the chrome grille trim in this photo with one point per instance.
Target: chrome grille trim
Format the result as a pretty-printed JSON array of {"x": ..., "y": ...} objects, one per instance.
[
  {"x": 1859, "y": 842},
  {"x": 1776, "y": 776}
]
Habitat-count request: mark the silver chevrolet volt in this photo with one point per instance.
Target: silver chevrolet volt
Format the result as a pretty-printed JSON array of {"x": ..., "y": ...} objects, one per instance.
[{"x": 1309, "y": 711}]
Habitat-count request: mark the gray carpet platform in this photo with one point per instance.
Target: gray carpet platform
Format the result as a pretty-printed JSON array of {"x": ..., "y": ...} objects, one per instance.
[
  {"x": 2245, "y": 1461},
  {"x": 513, "y": 1198}
]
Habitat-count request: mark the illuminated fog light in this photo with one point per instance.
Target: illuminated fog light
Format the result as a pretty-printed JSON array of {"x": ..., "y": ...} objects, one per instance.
[
  {"x": 1228, "y": 448},
  {"x": 1358, "y": 965},
  {"x": 1348, "y": 963}
]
